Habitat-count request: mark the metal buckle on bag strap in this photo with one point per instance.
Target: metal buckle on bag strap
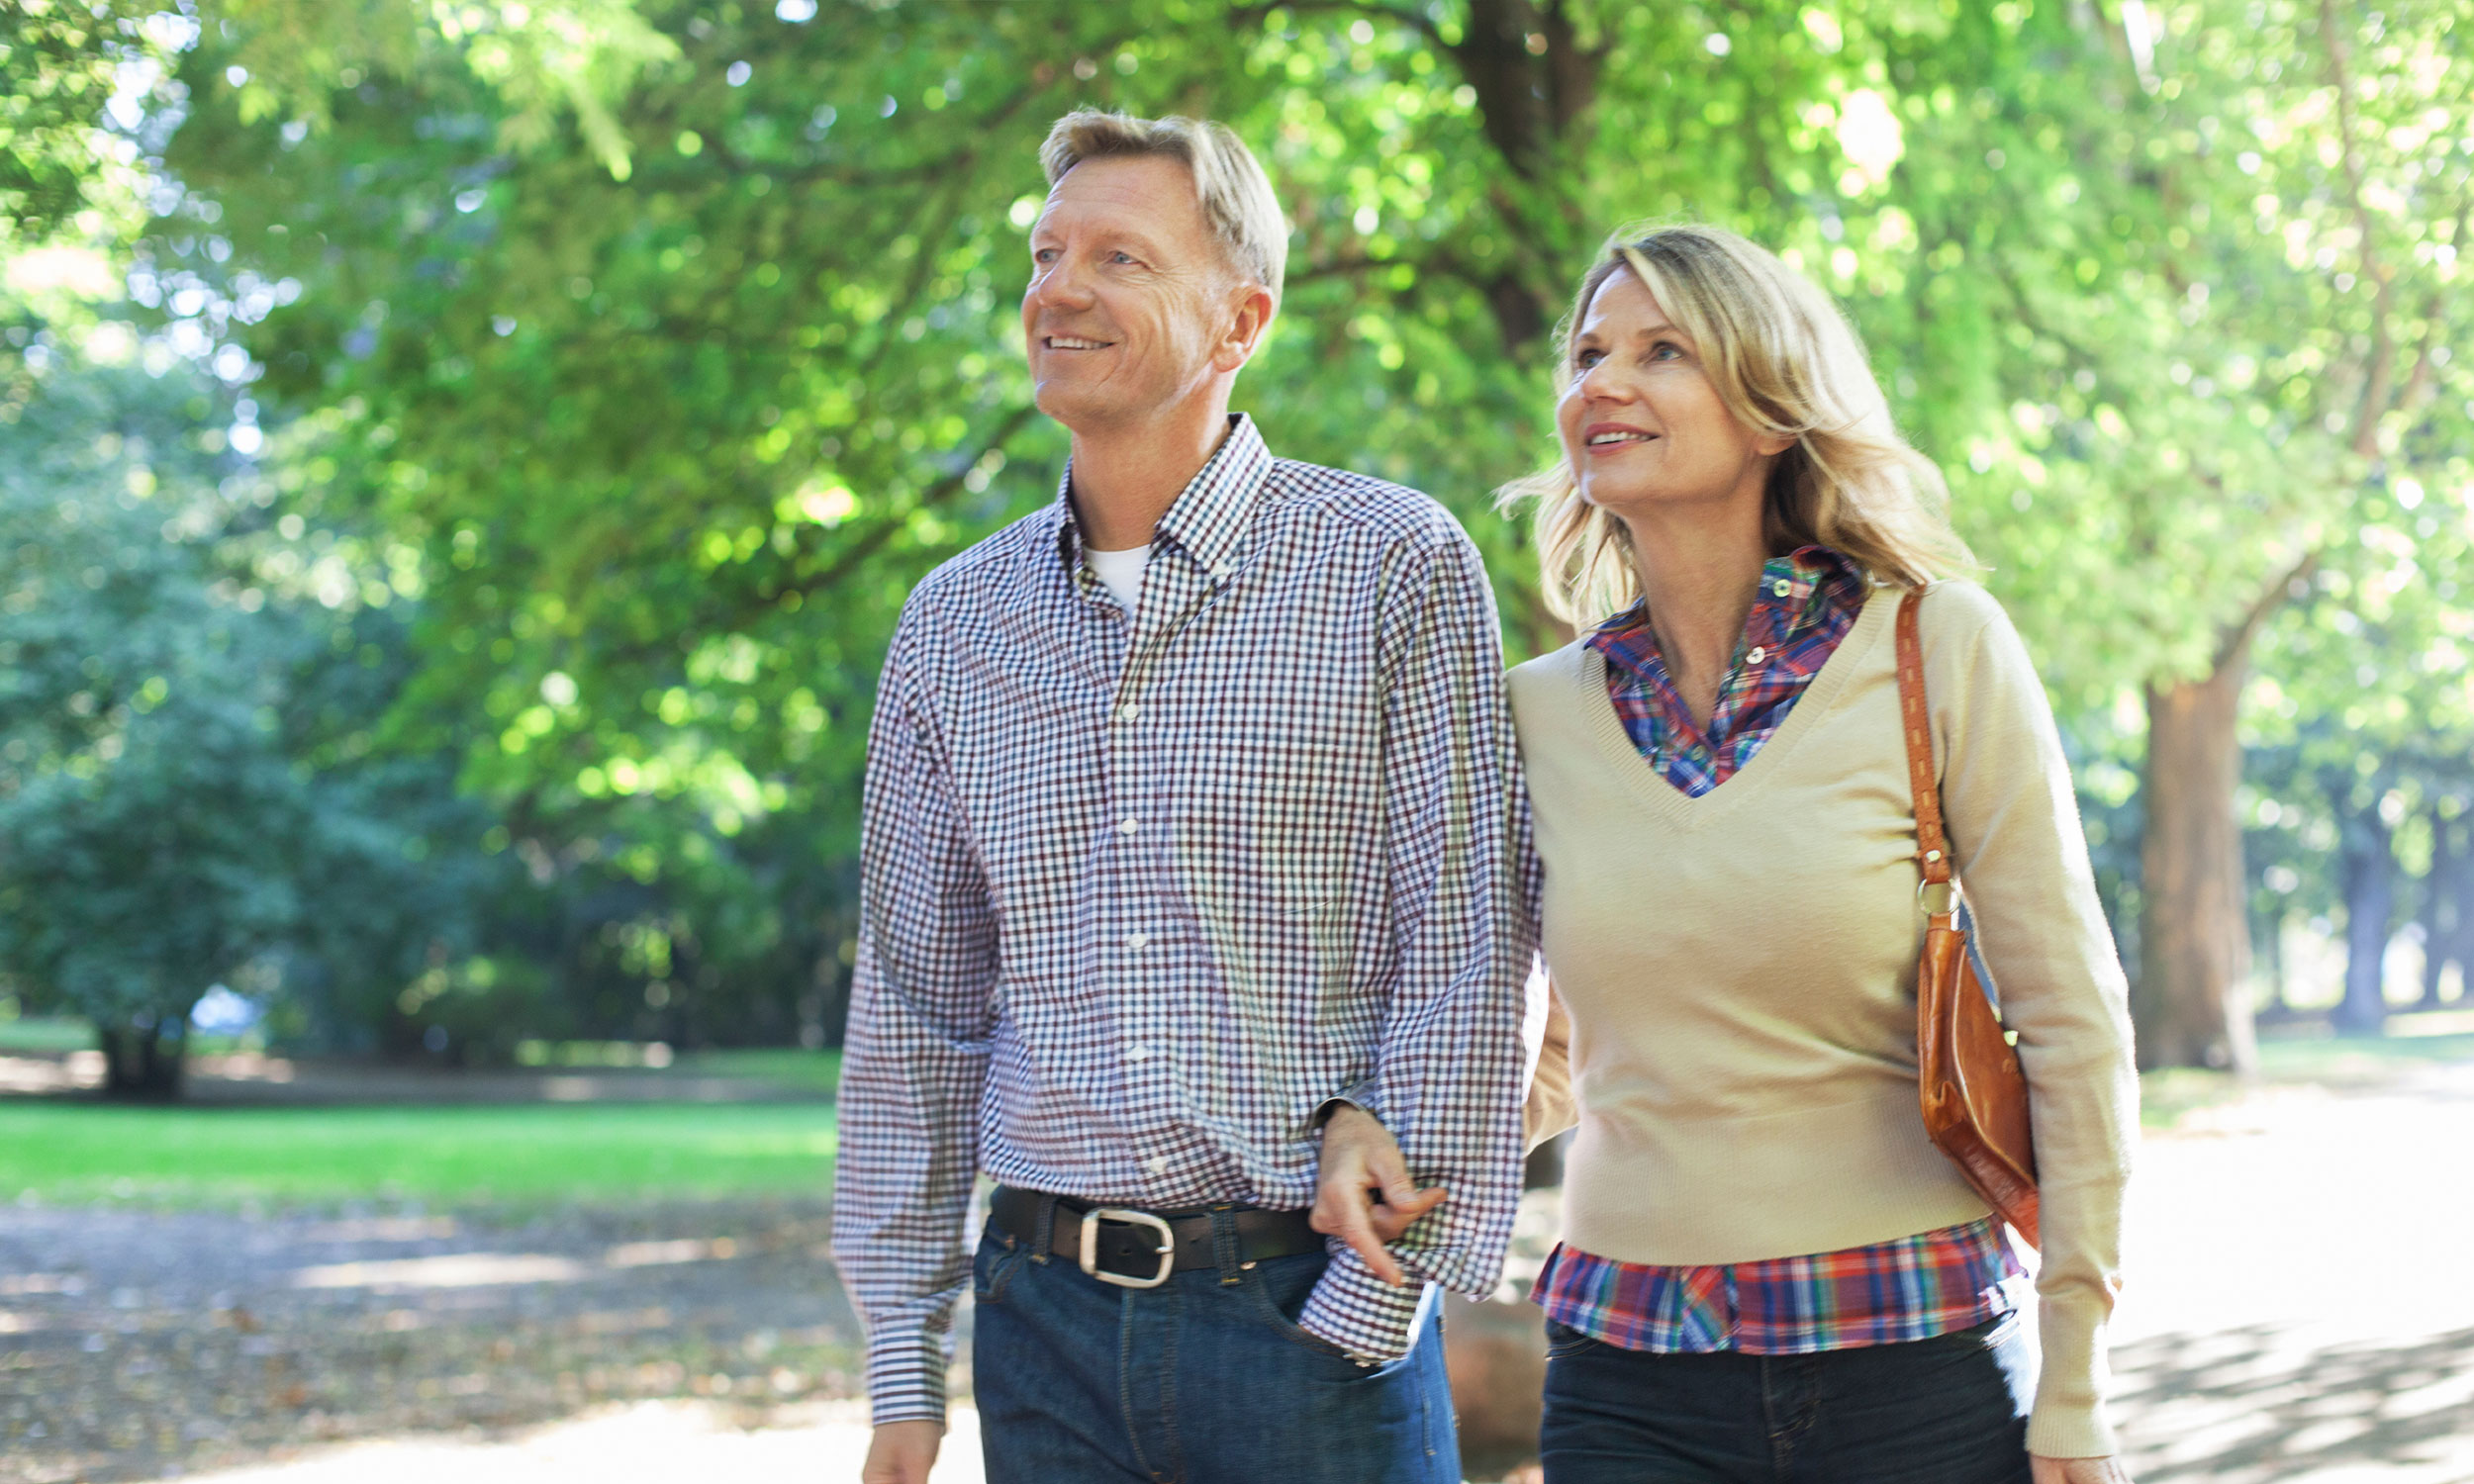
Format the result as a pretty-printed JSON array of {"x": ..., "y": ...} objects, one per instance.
[{"x": 1089, "y": 1256}]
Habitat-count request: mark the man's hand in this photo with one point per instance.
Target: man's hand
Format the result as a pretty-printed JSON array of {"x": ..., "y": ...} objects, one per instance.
[
  {"x": 901, "y": 1452},
  {"x": 2077, "y": 1470},
  {"x": 1359, "y": 1155}
]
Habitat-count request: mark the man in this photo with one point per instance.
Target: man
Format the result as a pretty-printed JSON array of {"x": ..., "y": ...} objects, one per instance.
[{"x": 1189, "y": 823}]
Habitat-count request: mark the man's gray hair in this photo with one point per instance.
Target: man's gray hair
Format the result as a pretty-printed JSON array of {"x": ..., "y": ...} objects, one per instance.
[{"x": 1229, "y": 185}]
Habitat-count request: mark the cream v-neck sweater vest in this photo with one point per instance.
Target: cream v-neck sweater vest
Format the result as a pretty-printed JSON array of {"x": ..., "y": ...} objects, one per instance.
[{"x": 1738, "y": 973}]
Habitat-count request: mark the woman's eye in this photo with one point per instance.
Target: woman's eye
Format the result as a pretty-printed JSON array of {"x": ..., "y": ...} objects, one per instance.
[
  {"x": 1666, "y": 350},
  {"x": 1588, "y": 358}
]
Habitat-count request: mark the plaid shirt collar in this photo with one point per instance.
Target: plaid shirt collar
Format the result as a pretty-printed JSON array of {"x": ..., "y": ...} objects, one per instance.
[
  {"x": 1796, "y": 593},
  {"x": 1209, "y": 519}
]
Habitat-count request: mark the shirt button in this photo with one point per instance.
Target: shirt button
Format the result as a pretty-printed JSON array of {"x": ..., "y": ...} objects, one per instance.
[
  {"x": 1128, "y": 825},
  {"x": 1758, "y": 655},
  {"x": 1137, "y": 1052},
  {"x": 1781, "y": 587},
  {"x": 1128, "y": 712},
  {"x": 1220, "y": 570},
  {"x": 1135, "y": 942},
  {"x": 1157, "y": 1164}
]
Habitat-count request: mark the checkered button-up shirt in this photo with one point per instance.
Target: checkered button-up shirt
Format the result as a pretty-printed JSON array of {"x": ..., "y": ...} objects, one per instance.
[{"x": 1140, "y": 893}]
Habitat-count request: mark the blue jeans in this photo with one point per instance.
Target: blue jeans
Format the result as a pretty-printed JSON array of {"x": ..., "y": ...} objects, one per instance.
[
  {"x": 1949, "y": 1410},
  {"x": 1207, "y": 1379}
]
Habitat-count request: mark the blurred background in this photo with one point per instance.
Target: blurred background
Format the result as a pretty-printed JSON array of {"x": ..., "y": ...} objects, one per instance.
[{"x": 461, "y": 461}]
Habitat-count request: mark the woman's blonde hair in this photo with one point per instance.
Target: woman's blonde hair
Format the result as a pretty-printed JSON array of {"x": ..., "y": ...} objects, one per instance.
[{"x": 1784, "y": 361}]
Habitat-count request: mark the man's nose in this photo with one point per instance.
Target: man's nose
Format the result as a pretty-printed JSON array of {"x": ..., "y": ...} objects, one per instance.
[{"x": 1061, "y": 286}]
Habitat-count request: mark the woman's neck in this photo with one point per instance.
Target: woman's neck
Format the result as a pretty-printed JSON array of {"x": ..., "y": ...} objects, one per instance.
[{"x": 1699, "y": 576}]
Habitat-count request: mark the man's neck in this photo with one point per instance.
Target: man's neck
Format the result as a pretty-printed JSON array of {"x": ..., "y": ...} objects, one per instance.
[{"x": 1126, "y": 477}]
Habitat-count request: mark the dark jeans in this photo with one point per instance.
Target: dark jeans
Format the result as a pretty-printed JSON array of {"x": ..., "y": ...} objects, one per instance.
[
  {"x": 1204, "y": 1379},
  {"x": 1949, "y": 1410}
]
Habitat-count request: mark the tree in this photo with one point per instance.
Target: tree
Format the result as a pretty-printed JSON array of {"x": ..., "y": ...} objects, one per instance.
[{"x": 670, "y": 443}]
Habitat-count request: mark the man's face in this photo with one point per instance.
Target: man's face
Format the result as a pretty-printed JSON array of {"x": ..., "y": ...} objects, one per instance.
[{"x": 1131, "y": 300}]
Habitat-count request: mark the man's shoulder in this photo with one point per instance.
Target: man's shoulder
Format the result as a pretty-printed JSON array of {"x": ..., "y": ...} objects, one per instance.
[
  {"x": 969, "y": 574},
  {"x": 1343, "y": 499}
]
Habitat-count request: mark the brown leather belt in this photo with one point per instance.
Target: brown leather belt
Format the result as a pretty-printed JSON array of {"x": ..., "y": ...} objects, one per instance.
[{"x": 1136, "y": 1248}]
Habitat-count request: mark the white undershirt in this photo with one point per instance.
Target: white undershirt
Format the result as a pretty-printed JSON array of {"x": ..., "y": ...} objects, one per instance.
[{"x": 1122, "y": 571}]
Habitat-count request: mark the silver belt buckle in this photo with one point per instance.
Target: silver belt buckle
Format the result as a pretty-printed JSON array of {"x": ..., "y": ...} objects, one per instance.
[{"x": 1090, "y": 1246}]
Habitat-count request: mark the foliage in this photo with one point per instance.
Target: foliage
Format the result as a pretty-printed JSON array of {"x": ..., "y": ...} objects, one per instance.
[
  {"x": 633, "y": 359},
  {"x": 183, "y": 785}
]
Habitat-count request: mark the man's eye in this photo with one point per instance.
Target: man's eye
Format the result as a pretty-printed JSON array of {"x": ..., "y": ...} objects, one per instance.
[
  {"x": 1043, "y": 254},
  {"x": 1120, "y": 258}
]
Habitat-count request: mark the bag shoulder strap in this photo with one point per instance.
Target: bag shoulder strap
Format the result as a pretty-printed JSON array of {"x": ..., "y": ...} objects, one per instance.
[{"x": 1932, "y": 845}]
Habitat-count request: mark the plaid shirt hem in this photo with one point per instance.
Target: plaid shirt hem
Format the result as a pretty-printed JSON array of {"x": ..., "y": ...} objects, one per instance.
[{"x": 1912, "y": 1288}]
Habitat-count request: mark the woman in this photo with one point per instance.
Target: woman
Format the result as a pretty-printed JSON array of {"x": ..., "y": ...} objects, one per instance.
[{"x": 1767, "y": 1272}]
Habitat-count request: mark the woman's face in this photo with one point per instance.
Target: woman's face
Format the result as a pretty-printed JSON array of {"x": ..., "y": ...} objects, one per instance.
[{"x": 1640, "y": 422}]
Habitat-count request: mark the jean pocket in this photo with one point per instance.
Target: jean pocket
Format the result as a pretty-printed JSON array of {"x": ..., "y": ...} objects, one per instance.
[
  {"x": 1563, "y": 1341},
  {"x": 993, "y": 1266},
  {"x": 1267, "y": 1290}
]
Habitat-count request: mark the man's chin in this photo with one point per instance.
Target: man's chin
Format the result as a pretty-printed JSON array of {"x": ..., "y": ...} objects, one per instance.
[{"x": 1086, "y": 407}]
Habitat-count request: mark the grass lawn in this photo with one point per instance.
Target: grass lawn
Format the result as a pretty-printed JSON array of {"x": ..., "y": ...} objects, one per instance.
[
  {"x": 523, "y": 1154},
  {"x": 2291, "y": 1056}
]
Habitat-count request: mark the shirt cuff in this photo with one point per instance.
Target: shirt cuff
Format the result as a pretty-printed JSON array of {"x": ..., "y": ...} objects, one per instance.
[
  {"x": 906, "y": 1374},
  {"x": 1360, "y": 1312},
  {"x": 1359, "y": 1096}
]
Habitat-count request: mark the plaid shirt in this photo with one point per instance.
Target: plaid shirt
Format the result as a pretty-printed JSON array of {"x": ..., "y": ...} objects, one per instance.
[
  {"x": 1137, "y": 897},
  {"x": 1912, "y": 1288},
  {"x": 1805, "y": 605}
]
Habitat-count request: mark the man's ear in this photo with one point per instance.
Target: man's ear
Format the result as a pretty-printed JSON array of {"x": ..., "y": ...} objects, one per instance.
[{"x": 1250, "y": 314}]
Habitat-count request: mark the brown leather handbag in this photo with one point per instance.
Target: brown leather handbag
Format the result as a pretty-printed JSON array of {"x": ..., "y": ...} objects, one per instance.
[{"x": 1973, "y": 1093}]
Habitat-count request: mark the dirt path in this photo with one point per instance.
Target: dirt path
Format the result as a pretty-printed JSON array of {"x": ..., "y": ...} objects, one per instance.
[
  {"x": 2302, "y": 1309},
  {"x": 134, "y": 1345}
]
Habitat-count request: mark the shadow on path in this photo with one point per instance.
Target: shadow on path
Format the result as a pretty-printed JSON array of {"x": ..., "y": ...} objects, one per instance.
[{"x": 2262, "y": 1404}]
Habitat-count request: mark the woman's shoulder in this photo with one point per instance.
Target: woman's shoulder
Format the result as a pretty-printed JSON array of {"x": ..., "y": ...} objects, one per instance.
[
  {"x": 1547, "y": 681},
  {"x": 1553, "y": 668},
  {"x": 1960, "y": 617},
  {"x": 1958, "y": 605}
]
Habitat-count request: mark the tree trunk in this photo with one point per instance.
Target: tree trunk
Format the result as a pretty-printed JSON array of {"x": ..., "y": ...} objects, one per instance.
[
  {"x": 143, "y": 1059},
  {"x": 2369, "y": 870},
  {"x": 2447, "y": 893},
  {"x": 2192, "y": 1006}
]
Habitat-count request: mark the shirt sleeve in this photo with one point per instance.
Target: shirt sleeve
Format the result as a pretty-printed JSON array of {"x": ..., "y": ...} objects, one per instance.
[
  {"x": 1449, "y": 1065},
  {"x": 2021, "y": 857},
  {"x": 914, "y": 1060}
]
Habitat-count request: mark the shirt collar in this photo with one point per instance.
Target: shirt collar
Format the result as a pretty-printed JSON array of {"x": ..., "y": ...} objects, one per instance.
[
  {"x": 1796, "y": 591},
  {"x": 1208, "y": 519}
]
